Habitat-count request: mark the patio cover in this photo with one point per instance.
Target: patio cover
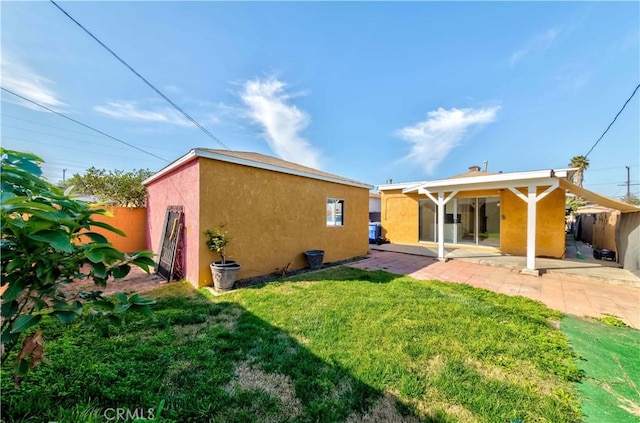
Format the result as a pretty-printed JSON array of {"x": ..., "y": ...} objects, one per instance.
[
  {"x": 597, "y": 198},
  {"x": 441, "y": 191}
]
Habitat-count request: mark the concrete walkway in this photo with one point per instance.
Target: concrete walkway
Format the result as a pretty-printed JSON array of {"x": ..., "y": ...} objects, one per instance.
[{"x": 565, "y": 292}]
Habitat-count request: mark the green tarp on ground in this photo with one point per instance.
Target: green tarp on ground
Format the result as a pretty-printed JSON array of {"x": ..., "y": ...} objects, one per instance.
[{"x": 610, "y": 358}]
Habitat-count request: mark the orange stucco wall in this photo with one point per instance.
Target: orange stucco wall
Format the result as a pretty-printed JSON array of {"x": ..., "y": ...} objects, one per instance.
[
  {"x": 131, "y": 221},
  {"x": 178, "y": 188},
  {"x": 550, "y": 237},
  {"x": 274, "y": 217},
  {"x": 400, "y": 220},
  {"x": 400, "y": 217}
]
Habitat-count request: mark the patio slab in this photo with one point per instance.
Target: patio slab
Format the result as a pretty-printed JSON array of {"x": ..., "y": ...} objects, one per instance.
[
  {"x": 578, "y": 295},
  {"x": 571, "y": 265}
]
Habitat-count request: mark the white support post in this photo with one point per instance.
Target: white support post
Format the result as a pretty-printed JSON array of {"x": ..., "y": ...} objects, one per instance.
[
  {"x": 455, "y": 221},
  {"x": 441, "y": 204},
  {"x": 532, "y": 199},
  {"x": 531, "y": 228},
  {"x": 441, "y": 201}
]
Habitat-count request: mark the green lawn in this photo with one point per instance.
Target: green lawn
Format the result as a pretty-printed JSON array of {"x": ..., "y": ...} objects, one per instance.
[
  {"x": 336, "y": 345},
  {"x": 610, "y": 358}
]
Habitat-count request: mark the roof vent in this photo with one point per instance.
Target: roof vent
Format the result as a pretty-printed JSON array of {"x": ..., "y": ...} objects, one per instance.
[{"x": 474, "y": 168}]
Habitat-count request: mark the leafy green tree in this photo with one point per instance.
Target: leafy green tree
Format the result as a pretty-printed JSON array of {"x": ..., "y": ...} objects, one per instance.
[
  {"x": 41, "y": 251},
  {"x": 575, "y": 202},
  {"x": 581, "y": 163},
  {"x": 117, "y": 186},
  {"x": 632, "y": 199}
]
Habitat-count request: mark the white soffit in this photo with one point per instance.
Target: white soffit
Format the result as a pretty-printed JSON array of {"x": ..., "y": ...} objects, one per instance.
[
  {"x": 171, "y": 166},
  {"x": 493, "y": 181}
]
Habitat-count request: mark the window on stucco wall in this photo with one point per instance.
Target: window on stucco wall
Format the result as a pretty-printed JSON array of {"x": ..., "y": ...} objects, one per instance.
[{"x": 335, "y": 212}]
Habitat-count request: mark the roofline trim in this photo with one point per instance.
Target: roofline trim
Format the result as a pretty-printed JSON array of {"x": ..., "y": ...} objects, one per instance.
[
  {"x": 197, "y": 152},
  {"x": 401, "y": 185},
  {"x": 191, "y": 155}
]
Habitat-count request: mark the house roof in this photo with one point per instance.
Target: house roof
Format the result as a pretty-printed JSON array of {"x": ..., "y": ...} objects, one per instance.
[
  {"x": 256, "y": 160},
  {"x": 473, "y": 172}
]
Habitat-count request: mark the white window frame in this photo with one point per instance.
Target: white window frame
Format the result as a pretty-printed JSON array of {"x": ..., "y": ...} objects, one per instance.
[{"x": 331, "y": 220}]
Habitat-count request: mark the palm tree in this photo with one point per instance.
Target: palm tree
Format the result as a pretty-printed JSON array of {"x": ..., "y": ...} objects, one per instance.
[{"x": 581, "y": 163}]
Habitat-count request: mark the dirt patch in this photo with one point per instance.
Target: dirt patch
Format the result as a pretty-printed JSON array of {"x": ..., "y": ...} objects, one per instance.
[
  {"x": 431, "y": 411},
  {"x": 384, "y": 410},
  {"x": 136, "y": 281},
  {"x": 525, "y": 375},
  {"x": 227, "y": 318},
  {"x": 279, "y": 386}
]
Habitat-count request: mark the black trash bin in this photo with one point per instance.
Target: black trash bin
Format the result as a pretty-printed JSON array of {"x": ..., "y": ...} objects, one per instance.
[{"x": 314, "y": 258}]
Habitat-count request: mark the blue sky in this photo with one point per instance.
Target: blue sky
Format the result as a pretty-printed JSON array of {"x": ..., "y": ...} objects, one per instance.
[{"x": 371, "y": 91}]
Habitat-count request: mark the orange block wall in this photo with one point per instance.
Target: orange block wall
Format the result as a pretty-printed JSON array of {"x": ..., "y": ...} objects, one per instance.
[{"x": 131, "y": 221}]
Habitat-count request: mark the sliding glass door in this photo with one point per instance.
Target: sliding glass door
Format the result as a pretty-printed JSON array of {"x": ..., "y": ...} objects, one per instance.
[
  {"x": 489, "y": 222},
  {"x": 470, "y": 221}
]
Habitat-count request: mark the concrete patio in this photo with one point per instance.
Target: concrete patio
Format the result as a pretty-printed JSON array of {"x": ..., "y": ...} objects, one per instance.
[
  {"x": 566, "y": 287},
  {"x": 572, "y": 264}
]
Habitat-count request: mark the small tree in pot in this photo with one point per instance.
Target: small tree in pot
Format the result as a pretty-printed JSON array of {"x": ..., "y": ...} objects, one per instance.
[{"x": 224, "y": 272}]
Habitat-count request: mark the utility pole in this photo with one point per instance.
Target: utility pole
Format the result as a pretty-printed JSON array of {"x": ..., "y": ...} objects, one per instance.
[
  {"x": 628, "y": 184},
  {"x": 64, "y": 175}
]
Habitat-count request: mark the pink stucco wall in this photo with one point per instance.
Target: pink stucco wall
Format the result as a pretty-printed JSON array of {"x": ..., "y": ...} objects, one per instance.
[{"x": 177, "y": 188}]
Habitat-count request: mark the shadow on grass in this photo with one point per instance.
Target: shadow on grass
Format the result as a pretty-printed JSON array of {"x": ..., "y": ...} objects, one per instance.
[{"x": 207, "y": 361}]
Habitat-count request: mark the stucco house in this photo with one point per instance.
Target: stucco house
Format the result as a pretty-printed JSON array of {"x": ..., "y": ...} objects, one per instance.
[
  {"x": 274, "y": 210},
  {"x": 520, "y": 213}
]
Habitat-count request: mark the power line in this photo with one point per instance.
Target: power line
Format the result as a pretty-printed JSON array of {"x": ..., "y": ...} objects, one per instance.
[
  {"x": 86, "y": 126},
  {"x": 50, "y": 126},
  {"x": 597, "y": 169},
  {"x": 65, "y": 147},
  {"x": 614, "y": 119},
  {"x": 602, "y": 183},
  {"x": 64, "y": 137},
  {"x": 153, "y": 87}
]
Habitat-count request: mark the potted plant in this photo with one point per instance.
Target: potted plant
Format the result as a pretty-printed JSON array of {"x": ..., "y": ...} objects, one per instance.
[{"x": 224, "y": 272}]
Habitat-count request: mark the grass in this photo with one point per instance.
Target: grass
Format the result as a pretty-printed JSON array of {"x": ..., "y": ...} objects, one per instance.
[
  {"x": 609, "y": 358},
  {"x": 612, "y": 320},
  {"x": 336, "y": 345}
]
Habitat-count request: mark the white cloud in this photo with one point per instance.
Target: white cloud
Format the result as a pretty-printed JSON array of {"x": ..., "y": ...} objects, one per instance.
[
  {"x": 22, "y": 80},
  {"x": 129, "y": 110},
  {"x": 268, "y": 105},
  {"x": 434, "y": 138},
  {"x": 542, "y": 41}
]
